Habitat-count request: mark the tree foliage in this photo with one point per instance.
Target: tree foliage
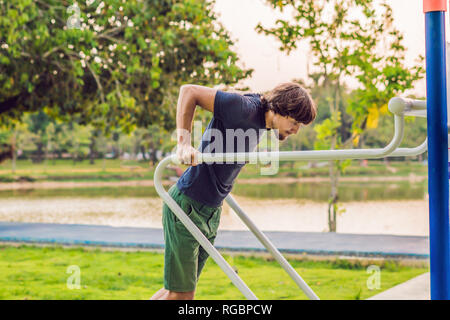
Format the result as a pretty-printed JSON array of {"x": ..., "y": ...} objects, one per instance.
[
  {"x": 349, "y": 39},
  {"x": 115, "y": 64}
]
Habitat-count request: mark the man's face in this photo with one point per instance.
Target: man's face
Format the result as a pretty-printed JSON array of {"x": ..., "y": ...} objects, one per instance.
[{"x": 285, "y": 126}]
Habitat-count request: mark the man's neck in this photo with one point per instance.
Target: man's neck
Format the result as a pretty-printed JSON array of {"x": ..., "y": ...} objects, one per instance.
[{"x": 269, "y": 119}]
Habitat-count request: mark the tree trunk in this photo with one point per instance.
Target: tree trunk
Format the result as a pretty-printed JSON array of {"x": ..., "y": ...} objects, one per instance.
[
  {"x": 74, "y": 158},
  {"x": 92, "y": 150},
  {"x": 46, "y": 156},
  {"x": 13, "y": 152},
  {"x": 332, "y": 202},
  {"x": 39, "y": 153},
  {"x": 142, "y": 148},
  {"x": 334, "y": 172},
  {"x": 153, "y": 156}
]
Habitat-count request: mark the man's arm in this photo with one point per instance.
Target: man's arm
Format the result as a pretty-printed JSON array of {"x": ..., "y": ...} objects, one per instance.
[{"x": 190, "y": 96}]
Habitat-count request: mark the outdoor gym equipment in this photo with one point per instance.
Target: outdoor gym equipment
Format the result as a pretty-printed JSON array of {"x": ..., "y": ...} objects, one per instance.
[
  {"x": 398, "y": 106},
  {"x": 435, "y": 109}
]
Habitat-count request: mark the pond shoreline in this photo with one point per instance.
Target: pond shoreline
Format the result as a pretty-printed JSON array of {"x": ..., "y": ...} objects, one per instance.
[{"x": 150, "y": 183}]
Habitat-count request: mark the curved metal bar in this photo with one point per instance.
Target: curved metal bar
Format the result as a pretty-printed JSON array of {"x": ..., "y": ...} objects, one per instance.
[
  {"x": 195, "y": 231},
  {"x": 409, "y": 107},
  {"x": 410, "y": 152}
]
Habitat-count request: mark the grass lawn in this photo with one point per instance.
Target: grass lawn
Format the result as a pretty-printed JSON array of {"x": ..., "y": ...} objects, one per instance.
[
  {"x": 67, "y": 170},
  {"x": 117, "y": 170},
  {"x": 29, "y": 272}
]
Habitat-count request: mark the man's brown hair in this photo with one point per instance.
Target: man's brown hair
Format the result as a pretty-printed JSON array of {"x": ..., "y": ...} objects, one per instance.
[{"x": 290, "y": 100}]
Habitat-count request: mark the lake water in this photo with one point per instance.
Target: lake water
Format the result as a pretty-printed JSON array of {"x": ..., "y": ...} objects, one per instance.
[
  {"x": 348, "y": 191},
  {"x": 370, "y": 208}
]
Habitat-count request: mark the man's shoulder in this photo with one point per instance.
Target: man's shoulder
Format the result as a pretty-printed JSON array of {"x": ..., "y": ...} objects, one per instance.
[
  {"x": 238, "y": 91},
  {"x": 234, "y": 91},
  {"x": 238, "y": 109},
  {"x": 236, "y": 97},
  {"x": 246, "y": 95}
]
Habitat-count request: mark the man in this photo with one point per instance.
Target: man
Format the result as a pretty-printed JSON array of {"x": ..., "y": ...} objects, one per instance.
[{"x": 201, "y": 189}]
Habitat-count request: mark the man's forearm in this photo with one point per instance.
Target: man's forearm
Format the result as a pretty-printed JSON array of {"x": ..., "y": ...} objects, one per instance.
[{"x": 185, "y": 114}]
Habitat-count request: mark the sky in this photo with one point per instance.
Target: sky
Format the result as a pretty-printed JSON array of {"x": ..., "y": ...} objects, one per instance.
[{"x": 271, "y": 66}]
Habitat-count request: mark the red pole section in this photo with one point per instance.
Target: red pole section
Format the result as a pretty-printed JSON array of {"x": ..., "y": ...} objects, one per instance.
[{"x": 434, "y": 5}]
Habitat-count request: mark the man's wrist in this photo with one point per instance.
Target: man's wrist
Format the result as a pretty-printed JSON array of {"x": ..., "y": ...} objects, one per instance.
[{"x": 183, "y": 136}]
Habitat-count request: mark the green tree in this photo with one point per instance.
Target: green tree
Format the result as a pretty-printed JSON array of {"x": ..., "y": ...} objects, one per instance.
[
  {"x": 18, "y": 138},
  {"x": 115, "y": 64},
  {"x": 102, "y": 146},
  {"x": 37, "y": 124},
  {"x": 348, "y": 39},
  {"x": 80, "y": 139},
  {"x": 6, "y": 148}
]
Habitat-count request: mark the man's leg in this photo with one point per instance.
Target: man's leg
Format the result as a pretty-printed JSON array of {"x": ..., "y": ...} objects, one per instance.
[
  {"x": 181, "y": 252},
  {"x": 173, "y": 295},
  {"x": 213, "y": 224},
  {"x": 164, "y": 294},
  {"x": 203, "y": 257},
  {"x": 158, "y": 294}
]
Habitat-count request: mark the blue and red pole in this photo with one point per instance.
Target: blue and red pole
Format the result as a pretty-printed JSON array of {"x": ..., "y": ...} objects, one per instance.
[{"x": 438, "y": 177}]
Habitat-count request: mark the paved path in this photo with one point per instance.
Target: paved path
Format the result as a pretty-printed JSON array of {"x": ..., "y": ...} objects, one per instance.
[
  {"x": 289, "y": 242},
  {"x": 417, "y": 288}
]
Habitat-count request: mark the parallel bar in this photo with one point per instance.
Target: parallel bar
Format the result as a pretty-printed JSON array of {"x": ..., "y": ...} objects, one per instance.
[
  {"x": 198, "y": 235},
  {"x": 272, "y": 249},
  {"x": 410, "y": 152},
  {"x": 390, "y": 149},
  {"x": 438, "y": 185},
  {"x": 415, "y": 108},
  {"x": 266, "y": 157}
]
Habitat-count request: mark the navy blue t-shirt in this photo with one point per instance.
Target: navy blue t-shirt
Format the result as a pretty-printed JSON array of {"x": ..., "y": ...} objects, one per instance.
[{"x": 237, "y": 125}]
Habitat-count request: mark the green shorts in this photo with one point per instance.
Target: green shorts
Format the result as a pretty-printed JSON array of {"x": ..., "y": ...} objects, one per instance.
[{"x": 184, "y": 258}]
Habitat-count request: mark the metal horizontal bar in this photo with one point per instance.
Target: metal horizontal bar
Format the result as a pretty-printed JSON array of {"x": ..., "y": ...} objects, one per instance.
[
  {"x": 409, "y": 107},
  {"x": 268, "y": 157}
]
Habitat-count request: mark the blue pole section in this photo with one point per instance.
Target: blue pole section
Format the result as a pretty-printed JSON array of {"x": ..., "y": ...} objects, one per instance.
[{"x": 438, "y": 183}]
